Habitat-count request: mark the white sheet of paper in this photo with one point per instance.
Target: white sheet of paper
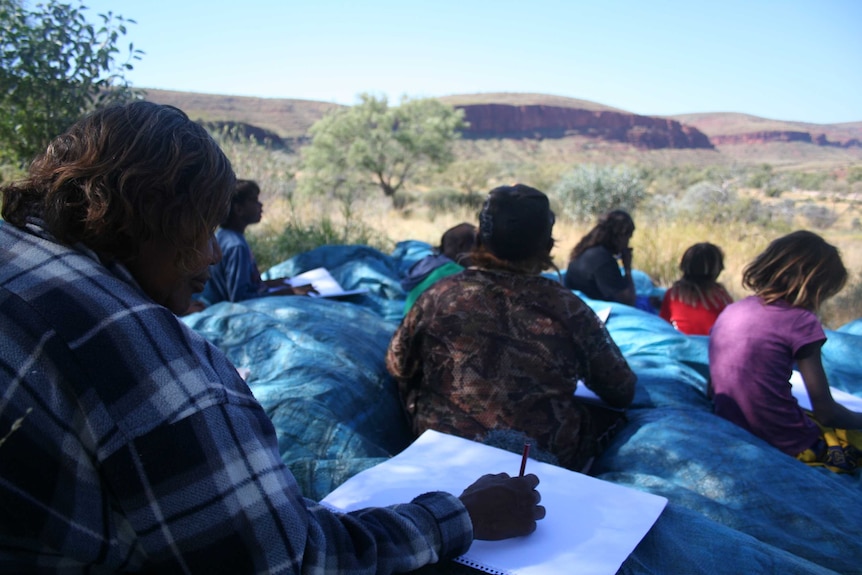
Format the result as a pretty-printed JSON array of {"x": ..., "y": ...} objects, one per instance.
[
  {"x": 587, "y": 395},
  {"x": 604, "y": 314},
  {"x": 323, "y": 282},
  {"x": 799, "y": 391},
  {"x": 590, "y": 528}
]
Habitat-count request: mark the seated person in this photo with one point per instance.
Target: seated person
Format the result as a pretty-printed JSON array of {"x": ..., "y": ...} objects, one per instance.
[
  {"x": 593, "y": 266},
  {"x": 236, "y": 277},
  {"x": 756, "y": 342},
  {"x": 500, "y": 347},
  {"x": 450, "y": 257},
  {"x": 135, "y": 446},
  {"x": 694, "y": 301}
]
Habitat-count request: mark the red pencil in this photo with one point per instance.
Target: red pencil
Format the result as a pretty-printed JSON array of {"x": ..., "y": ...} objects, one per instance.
[{"x": 524, "y": 458}]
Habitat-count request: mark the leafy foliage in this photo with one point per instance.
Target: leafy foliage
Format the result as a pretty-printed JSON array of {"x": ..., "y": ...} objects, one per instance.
[
  {"x": 295, "y": 236},
  {"x": 372, "y": 145},
  {"x": 54, "y": 67},
  {"x": 591, "y": 190}
]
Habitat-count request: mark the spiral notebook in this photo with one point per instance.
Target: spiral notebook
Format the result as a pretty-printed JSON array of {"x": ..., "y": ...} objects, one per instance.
[{"x": 590, "y": 528}]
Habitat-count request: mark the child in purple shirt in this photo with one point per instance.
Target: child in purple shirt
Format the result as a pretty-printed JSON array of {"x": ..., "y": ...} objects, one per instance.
[{"x": 755, "y": 343}]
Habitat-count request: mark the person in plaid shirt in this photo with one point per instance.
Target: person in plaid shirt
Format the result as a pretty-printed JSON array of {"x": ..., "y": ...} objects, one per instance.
[{"x": 128, "y": 443}]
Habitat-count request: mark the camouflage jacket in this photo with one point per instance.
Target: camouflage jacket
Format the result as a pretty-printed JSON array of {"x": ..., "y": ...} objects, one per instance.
[{"x": 490, "y": 349}]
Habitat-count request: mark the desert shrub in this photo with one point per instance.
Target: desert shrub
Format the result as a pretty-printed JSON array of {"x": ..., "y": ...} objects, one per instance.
[
  {"x": 659, "y": 207},
  {"x": 471, "y": 176},
  {"x": 444, "y": 200},
  {"x": 674, "y": 180},
  {"x": 817, "y": 216},
  {"x": 272, "y": 168},
  {"x": 806, "y": 180},
  {"x": 710, "y": 201},
  {"x": 721, "y": 203},
  {"x": 844, "y": 307},
  {"x": 273, "y": 246},
  {"x": 591, "y": 190}
]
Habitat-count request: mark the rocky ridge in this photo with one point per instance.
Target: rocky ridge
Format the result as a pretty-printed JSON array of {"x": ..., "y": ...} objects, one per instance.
[{"x": 541, "y": 121}]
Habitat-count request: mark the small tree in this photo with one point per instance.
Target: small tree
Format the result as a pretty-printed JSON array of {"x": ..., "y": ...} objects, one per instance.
[
  {"x": 590, "y": 190},
  {"x": 372, "y": 145},
  {"x": 54, "y": 67}
]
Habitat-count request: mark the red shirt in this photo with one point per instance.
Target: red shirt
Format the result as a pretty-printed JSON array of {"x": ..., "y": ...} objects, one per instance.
[{"x": 692, "y": 320}]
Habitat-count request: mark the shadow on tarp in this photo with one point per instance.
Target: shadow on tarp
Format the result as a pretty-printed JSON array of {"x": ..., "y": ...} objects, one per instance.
[{"x": 737, "y": 505}]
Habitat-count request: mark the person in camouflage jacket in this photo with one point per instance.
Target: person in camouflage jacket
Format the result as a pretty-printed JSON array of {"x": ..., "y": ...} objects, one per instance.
[{"x": 498, "y": 346}]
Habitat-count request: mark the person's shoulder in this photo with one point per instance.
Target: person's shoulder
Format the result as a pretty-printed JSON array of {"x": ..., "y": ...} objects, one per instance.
[
  {"x": 229, "y": 238},
  {"x": 595, "y": 255}
]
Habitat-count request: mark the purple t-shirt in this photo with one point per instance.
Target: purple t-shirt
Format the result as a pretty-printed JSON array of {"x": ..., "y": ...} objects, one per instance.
[{"x": 752, "y": 347}]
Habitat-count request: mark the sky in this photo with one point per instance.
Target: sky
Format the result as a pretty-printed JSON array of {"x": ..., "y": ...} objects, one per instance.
[{"x": 793, "y": 60}]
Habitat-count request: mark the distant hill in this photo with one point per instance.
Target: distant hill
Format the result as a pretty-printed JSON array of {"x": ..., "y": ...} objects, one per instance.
[
  {"x": 571, "y": 122},
  {"x": 526, "y": 99},
  {"x": 285, "y": 117},
  {"x": 734, "y": 128}
]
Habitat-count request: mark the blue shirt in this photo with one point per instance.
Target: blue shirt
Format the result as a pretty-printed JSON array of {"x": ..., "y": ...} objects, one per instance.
[
  {"x": 135, "y": 445},
  {"x": 235, "y": 277}
]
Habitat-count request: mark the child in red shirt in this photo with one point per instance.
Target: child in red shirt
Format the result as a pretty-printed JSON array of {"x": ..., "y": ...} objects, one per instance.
[{"x": 693, "y": 302}]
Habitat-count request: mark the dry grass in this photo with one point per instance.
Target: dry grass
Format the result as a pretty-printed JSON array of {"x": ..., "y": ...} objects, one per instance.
[{"x": 657, "y": 246}]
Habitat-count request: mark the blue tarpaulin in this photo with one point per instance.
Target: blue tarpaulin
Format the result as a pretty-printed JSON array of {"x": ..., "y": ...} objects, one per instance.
[{"x": 736, "y": 505}]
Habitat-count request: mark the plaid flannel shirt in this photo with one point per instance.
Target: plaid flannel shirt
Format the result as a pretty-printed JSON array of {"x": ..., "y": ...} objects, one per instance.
[{"x": 135, "y": 446}]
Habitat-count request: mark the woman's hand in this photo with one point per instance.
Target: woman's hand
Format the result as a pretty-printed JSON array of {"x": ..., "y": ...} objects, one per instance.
[{"x": 626, "y": 256}]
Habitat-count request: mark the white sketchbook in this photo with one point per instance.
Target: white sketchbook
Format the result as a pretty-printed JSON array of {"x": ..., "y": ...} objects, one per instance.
[
  {"x": 322, "y": 281},
  {"x": 590, "y": 528},
  {"x": 799, "y": 391}
]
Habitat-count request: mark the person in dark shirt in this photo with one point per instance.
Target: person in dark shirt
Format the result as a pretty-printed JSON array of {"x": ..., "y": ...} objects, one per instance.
[
  {"x": 500, "y": 347},
  {"x": 594, "y": 264}
]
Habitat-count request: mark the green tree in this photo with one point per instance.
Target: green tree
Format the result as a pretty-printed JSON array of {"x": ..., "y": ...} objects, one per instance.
[
  {"x": 590, "y": 190},
  {"x": 54, "y": 67},
  {"x": 374, "y": 145}
]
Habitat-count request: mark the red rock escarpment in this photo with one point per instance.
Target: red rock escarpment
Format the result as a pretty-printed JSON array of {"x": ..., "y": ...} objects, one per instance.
[
  {"x": 537, "y": 121},
  {"x": 782, "y": 136}
]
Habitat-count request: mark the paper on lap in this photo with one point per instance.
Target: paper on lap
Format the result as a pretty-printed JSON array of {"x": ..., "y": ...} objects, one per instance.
[
  {"x": 591, "y": 525},
  {"x": 799, "y": 391},
  {"x": 323, "y": 282}
]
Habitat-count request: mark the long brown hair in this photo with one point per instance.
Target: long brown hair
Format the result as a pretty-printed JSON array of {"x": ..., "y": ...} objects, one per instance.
[
  {"x": 800, "y": 268},
  {"x": 607, "y": 232},
  {"x": 123, "y": 175}
]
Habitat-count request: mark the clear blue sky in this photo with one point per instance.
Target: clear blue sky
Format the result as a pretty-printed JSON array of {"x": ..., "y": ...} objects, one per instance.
[{"x": 797, "y": 60}]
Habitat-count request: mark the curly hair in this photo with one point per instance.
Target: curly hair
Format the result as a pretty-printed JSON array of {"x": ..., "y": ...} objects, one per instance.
[
  {"x": 800, "y": 268},
  {"x": 123, "y": 175},
  {"x": 610, "y": 227}
]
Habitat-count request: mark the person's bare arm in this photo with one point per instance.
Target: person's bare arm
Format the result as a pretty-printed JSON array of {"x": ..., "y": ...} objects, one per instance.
[
  {"x": 627, "y": 295},
  {"x": 827, "y": 411}
]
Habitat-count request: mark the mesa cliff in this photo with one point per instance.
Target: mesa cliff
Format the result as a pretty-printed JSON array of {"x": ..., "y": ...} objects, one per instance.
[
  {"x": 541, "y": 121},
  {"x": 767, "y": 136}
]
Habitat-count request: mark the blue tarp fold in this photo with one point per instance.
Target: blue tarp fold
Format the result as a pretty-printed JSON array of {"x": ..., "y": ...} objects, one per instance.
[{"x": 736, "y": 505}]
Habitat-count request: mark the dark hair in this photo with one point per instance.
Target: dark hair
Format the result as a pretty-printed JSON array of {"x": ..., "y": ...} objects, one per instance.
[
  {"x": 515, "y": 227},
  {"x": 701, "y": 265},
  {"x": 457, "y": 241},
  {"x": 123, "y": 175},
  {"x": 243, "y": 191},
  {"x": 607, "y": 232},
  {"x": 800, "y": 268}
]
